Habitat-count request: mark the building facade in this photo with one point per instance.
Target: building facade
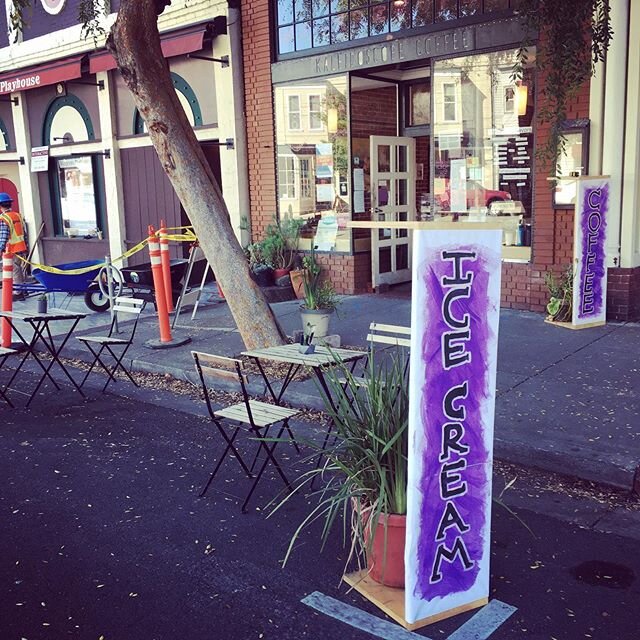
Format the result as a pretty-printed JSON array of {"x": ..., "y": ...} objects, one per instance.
[
  {"x": 98, "y": 183},
  {"x": 407, "y": 110}
]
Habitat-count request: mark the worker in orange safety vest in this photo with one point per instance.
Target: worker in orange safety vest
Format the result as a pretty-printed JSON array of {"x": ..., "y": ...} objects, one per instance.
[{"x": 12, "y": 236}]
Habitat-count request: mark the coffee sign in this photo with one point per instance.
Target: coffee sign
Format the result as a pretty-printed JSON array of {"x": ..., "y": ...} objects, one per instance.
[
  {"x": 454, "y": 332},
  {"x": 590, "y": 251}
]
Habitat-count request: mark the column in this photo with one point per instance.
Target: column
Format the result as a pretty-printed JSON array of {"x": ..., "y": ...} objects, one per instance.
[
  {"x": 112, "y": 168},
  {"x": 630, "y": 235},
  {"x": 613, "y": 129},
  {"x": 229, "y": 85},
  {"x": 29, "y": 188}
]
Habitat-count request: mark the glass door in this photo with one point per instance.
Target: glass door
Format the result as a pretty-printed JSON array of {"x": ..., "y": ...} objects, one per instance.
[{"x": 393, "y": 199}]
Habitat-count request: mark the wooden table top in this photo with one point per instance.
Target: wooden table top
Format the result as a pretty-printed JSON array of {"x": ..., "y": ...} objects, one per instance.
[
  {"x": 52, "y": 314},
  {"x": 290, "y": 354}
]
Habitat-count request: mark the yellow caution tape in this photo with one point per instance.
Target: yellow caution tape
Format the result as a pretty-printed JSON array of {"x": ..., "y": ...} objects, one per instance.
[{"x": 189, "y": 236}]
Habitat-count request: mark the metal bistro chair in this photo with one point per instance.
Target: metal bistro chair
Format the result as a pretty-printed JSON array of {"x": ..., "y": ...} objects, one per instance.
[
  {"x": 252, "y": 416},
  {"x": 4, "y": 354},
  {"x": 382, "y": 337},
  {"x": 123, "y": 305}
]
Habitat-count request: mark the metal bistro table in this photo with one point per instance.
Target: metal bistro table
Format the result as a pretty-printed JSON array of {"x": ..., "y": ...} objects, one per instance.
[
  {"x": 41, "y": 325},
  {"x": 321, "y": 359}
]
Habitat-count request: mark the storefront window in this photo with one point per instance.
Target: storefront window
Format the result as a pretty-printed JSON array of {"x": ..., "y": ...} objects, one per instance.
[
  {"x": 483, "y": 146},
  {"x": 306, "y": 24},
  {"x": 77, "y": 197},
  {"x": 313, "y": 161}
]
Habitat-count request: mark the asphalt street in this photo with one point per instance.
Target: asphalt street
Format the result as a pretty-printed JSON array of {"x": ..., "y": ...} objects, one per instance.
[{"x": 104, "y": 536}]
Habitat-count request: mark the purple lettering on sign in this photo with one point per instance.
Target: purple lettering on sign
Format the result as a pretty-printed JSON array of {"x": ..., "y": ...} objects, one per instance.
[
  {"x": 455, "y": 479},
  {"x": 593, "y": 225}
]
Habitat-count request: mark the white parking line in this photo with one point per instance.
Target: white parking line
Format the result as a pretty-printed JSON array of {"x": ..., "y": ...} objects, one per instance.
[{"x": 485, "y": 622}]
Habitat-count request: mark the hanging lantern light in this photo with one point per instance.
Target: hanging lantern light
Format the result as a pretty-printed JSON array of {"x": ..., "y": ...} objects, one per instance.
[
  {"x": 332, "y": 119},
  {"x": 522, "y": 97}
]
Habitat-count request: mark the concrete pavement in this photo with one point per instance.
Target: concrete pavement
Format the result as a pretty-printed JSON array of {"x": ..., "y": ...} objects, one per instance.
[{"x": 567, "y": 401}]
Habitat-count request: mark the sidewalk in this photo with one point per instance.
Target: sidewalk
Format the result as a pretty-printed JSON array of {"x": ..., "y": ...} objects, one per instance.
[{"x": 567, "y": 401}]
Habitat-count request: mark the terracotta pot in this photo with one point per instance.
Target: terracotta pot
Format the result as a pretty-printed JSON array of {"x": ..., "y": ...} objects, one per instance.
[
  {"x": 385, "y": 560},
  {"x": 297, "y": 282}
]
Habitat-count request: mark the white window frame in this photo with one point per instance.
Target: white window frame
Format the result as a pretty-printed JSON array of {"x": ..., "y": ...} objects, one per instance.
[
  {"x": 319, "y": 112},
  {"x": 291, "y": 175},
  {"x": 454, "y": 102},
  {"x": 306, "y": 192},
  {"x": 290, "y": 112}
]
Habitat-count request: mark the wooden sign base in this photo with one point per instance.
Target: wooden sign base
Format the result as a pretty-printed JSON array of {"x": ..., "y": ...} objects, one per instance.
[
  {"x": 391, "y": 600},
  {"x": 569, "y": 325}
]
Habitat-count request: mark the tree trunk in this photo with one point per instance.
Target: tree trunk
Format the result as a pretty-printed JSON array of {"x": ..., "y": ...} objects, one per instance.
[{"x": 135, "y": 44}]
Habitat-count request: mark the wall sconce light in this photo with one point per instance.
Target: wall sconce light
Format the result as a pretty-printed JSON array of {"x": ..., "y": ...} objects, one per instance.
[
  {"x": 522, "y": 97},
  {"x": 332, "y": 120},
  {"x": 399, "y": 3}
]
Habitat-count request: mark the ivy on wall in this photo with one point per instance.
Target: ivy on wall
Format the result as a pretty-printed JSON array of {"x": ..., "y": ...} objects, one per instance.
[{"x": 573, "y": 37}]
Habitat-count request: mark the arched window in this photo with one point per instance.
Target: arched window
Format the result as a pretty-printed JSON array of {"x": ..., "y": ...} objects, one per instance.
[
  {"x": 188, "y": 100},
  {"x": 67, "y": 121}
]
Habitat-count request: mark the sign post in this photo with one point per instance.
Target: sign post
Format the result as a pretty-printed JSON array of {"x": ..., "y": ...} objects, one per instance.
[{"x": 589, "y": 252}]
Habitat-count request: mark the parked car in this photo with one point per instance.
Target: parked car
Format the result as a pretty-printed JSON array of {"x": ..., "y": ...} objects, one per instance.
[{"x": 477, "y": 196}]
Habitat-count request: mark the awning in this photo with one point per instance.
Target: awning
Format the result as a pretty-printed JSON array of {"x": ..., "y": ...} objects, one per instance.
[
  {"x": 177, "y": 43},
  {"x": 46, "y": 74}
]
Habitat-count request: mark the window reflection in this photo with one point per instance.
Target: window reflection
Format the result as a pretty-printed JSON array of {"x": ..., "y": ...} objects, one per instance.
[
  {"x": 312, "y": 159},
  {"x": 483, "y": 145},
  {"x": 354, "y": 19}
]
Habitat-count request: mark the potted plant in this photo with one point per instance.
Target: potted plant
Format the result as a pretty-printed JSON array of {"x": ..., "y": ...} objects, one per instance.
[
  {"x": 261, "y": 270},
  {"x": 319, "y": 301},
  {"x": 364, "y": 476},
  {"x": 560, "y": 303},
  {"x": 280, "y": 245},
  {"x": 42, "y": 303}
]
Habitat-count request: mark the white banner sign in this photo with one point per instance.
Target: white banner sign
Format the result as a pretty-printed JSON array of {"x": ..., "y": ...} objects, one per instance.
[
  {"x": 590, "y": 251},
  {"x": 39, "y": 159},
  {"x": 454, "y": 342}
]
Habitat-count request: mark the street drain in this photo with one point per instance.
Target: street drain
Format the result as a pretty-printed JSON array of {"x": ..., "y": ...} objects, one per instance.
[{"x": 604, "y": 574}]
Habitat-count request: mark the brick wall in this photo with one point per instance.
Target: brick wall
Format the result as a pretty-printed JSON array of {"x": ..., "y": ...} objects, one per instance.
[
  {"x": 259, "y": 113},
  {"x": 623, "y": 294},
  {"x": 523, "y": 285}
]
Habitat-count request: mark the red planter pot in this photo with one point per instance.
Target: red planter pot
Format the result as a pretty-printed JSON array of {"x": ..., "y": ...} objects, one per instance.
[
  {"x": 385, "y": 560},
  {"x": 280, "y": 273}
]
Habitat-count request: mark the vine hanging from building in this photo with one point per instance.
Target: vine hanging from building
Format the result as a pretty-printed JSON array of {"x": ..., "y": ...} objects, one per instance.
[{"x": 573, "y": 37}]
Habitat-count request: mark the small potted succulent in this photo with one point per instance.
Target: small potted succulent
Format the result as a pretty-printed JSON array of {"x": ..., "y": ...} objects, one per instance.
[
  {"x": 560, "y": 305},
  {"x": 261, "y": 270},
  {"x": 42, "y": 303}
]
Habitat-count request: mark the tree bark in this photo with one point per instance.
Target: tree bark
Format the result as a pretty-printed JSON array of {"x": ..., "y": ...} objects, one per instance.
[{"x": 135, "y": 43}]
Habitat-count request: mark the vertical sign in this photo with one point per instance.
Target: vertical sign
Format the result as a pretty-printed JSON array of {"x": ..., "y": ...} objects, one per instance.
[
  {"x": 589, "y": 251},
  {"x": 454, "y": 339}
]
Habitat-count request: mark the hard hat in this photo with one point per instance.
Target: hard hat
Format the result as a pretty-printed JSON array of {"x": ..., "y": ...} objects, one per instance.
[{"x": 5, "y": 198}]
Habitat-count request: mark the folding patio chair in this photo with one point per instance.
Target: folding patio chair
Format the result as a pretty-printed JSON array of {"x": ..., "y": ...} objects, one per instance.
[
  {"x": 382, "y": 337},
  {"x": 4, "y": 354},
  {"x": 252, "y": 416},
  {"x": 123, "y": 306}
]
